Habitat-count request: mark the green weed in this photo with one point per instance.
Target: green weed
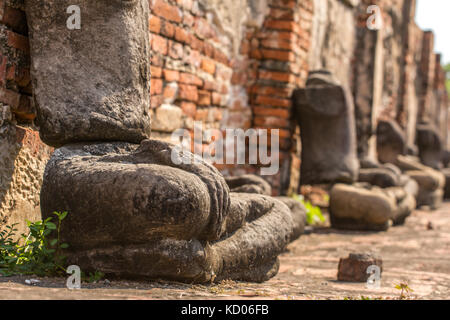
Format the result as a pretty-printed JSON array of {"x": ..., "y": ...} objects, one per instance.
[{"x": 35, "y": 253}]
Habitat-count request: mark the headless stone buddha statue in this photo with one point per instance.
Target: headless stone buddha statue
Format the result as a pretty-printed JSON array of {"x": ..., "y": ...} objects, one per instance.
[
  {"x": 133, "y": 212},
  {"x": 431, "y": 151},
  {"x": 324, "y": 112},
  {"x": 363, "y": 196},
  {"x": 392, "y": 148}
]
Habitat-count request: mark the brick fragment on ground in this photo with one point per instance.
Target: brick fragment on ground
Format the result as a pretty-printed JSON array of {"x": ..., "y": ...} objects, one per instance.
[{"x": 354, "y": 268}]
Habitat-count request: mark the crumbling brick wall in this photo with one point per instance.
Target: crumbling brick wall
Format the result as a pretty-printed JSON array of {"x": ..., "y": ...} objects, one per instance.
[
  {"x": 22, "y": 154},
  {"x": 441, "y": 99},
  {"x": 395, "y": 74},
  {"x": 334, "y": 38},
  {"x": 15, "y": 81},
  {"x": 279, "y": 52},
  {"x": 232, "y": 65}
]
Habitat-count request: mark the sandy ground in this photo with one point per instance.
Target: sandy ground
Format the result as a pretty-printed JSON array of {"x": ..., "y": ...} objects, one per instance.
[{"x": 417, "y": 253}]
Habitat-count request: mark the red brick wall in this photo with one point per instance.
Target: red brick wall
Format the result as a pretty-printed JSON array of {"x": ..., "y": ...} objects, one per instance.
[
  {"x": 253, "y": 89},
  {"x": 187, "y": 66},
  {"x": 278, "y": 51},
  {"x": 15, "y": 81},
  {"x": 23, "y": 156}
]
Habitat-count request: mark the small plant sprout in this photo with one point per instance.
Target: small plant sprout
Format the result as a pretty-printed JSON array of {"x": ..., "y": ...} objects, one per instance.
[
  {"x": 38, "y": 252},
  {"x": 313, "y": 213},
  {"x": 92, "y": 277},
  {"x": 404, "y": 288}
]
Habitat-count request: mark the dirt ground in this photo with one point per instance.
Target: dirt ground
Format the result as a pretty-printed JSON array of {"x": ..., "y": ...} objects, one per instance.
[{"x": 417, "y": 253}]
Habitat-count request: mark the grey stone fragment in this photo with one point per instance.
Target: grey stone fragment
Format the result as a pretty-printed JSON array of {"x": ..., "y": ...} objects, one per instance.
[
  {"x": 134, "y": 189},
  {"x": 393, "y": 168},
  {"x": 250, "y": 183},
  {"x": 380, "y": 177},
  {"x": 405, "y": 204},
  {"x": 167, "y": 118},
  {"x": 446, "y": 172},
  {"x": 91, "y": 84},
  {"x": 298, "y": 211},
  {"x": 249, "y": 253}
]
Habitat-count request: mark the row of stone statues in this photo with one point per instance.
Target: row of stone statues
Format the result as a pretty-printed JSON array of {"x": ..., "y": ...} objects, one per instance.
[
  {"x": 364, "y": 194},
  {"x": 133, "y": 212}
]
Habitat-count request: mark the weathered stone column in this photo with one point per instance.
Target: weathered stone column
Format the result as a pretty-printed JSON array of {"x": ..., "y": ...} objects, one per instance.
[
  {"x": 367, "y": 86},
  {"x": 91, "y": 84}
]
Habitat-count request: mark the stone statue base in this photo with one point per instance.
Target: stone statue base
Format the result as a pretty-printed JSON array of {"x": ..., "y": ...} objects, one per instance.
[{"x": 134, "y": 213}]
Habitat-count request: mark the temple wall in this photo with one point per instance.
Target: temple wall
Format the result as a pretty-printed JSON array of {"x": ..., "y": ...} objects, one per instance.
[
  {"x": 235, "y": 64},
  {"x": 393, "y": 72},
  {"x": 15, "y": 80},
  {"x": 334, "y": 38},
  {"x": 22, "y": 162},
  {"x": 22, "y": 155},
  {"x": 229, "y": 65}
]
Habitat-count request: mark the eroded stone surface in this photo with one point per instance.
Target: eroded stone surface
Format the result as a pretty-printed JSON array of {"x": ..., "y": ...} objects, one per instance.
[
  {"x": 23, "y": 157},
  {"x": 249, "y": 183},
  {"x": 91, "y": 84},
  {"x": 446, "y": 172},
  {"x": 254, "y": 184},
  {"x": 330, "y": 50},
  {"x": 298, "y": 211},
  {"x": 400, "y": 187},
  {"x": 380, "y": 177},
  {"x": 133, "y": 212}
]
